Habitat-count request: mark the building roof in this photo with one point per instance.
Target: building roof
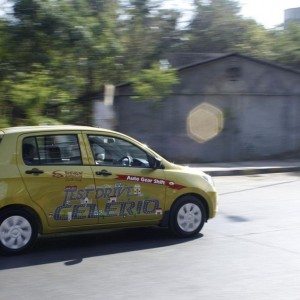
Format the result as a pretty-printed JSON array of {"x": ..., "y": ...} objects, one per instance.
[
  {"x": 197, "y": 59},
  {"x": 260, "y": 61},
  {"x": 178, "y": 60}
]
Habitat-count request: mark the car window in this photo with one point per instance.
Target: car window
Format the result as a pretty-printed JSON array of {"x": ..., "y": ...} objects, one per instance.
[
  {"x": 51, "y": 150},
  {"x": 111, "y": 151}
]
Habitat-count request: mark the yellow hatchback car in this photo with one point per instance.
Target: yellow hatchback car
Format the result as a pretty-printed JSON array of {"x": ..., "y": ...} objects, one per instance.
[{"x": 73, "y": 178}]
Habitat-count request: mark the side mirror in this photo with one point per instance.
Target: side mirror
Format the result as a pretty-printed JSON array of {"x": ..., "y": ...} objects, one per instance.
[
  {"x": 100, "y": 156},
  {"x": 155, "y": 163}
]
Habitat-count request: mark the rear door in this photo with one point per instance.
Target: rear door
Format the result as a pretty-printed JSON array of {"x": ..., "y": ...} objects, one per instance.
[{"x": 58, "y": 178}]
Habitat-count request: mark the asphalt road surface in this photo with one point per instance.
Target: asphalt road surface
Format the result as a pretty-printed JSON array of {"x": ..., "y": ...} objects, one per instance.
[{"x": 250, "y": 251}]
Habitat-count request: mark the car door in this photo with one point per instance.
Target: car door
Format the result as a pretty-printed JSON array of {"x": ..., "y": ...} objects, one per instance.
[
  {"x": 58, "y": 178},
  {"x": 127, "y": 189}
]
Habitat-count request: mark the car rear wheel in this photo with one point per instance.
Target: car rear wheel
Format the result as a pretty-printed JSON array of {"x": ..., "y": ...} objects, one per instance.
[
  {"x": 18, "y": 231},
  {"x": 187, "y": 217}
]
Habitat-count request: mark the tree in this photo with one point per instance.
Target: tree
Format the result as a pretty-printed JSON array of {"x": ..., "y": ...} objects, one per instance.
[
  {"x": 217, "y": 26},
  {"x": 146, "y": 32},
  {"x": 73, "y": 48},
  {"x": 75, "y": 42},
  {"x": 287, "y": 45},
  {"x": 256, "y": 41},
  {"x": 154, "y": 83},
  {"x": 26, "y": 95},
  {"x": 211, "y": 29}
]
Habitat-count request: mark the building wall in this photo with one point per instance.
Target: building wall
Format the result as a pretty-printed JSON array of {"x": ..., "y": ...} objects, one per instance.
[{"x": 260, "y": 106}]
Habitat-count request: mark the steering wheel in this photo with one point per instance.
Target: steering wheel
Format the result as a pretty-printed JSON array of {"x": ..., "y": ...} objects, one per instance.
[{"x": 123, "y": 160}]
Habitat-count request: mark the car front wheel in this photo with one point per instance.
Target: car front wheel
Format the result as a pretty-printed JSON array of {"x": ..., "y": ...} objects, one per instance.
[
  {"x": 187, "y": 217},
  {"x": 18, "y": 231}
]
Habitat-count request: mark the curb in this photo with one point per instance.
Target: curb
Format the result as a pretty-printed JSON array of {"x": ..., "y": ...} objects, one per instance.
[{"x": 252, "y": 171}]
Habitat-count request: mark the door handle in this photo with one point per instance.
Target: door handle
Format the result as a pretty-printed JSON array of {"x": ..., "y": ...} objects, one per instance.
[
  {"x": 34, "y": 171},
  {"x": 103, "y": 173}
]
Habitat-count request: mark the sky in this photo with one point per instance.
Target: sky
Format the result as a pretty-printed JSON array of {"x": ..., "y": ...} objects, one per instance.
[{"x": 266, "y": 12}]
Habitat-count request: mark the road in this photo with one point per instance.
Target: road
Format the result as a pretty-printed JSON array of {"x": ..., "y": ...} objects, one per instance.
[{"x": 250, "y": 251}]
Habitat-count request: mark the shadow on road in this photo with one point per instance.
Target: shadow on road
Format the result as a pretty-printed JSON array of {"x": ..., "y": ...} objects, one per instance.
[
  {"x": 73, "y": 249},
  {"x": 258, "y": 187},
  {"x": 237, "y": 219},
  {"x": 294, "y": 174}
]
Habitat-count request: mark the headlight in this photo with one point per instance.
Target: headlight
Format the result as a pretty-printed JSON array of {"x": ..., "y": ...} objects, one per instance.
[{"x": 208, "y": 179}]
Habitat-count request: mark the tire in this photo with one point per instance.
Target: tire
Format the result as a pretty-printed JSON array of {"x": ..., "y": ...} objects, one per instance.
[
  {"x": 18, "y": 231},
  {"x": 187, "y": 216}
]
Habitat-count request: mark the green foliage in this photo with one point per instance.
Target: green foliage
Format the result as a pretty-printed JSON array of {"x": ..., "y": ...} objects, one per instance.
[
  {"x": 56, "y": 54},
  {"x": 215, "y": 27},
  {"x": 256, "y": 41},
  {"x": 154, "y": 83},
  {"x": 27, "y": 94},
  {"x": 74, "y": 42},
  {"x": 146, "y": 33},
  {"x": 287, "y": 46}
]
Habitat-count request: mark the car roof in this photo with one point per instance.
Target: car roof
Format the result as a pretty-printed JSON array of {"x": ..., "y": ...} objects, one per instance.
[{"x": 44, "y": 128}]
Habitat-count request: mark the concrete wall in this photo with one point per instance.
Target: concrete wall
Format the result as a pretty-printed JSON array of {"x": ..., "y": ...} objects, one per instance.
[{"x": 260, "y": 105}]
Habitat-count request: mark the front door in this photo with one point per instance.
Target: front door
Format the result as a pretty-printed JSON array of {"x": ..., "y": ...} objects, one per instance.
[
  {"x": 127, "y": 189},
  {"x": 53, "y": 170}
]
